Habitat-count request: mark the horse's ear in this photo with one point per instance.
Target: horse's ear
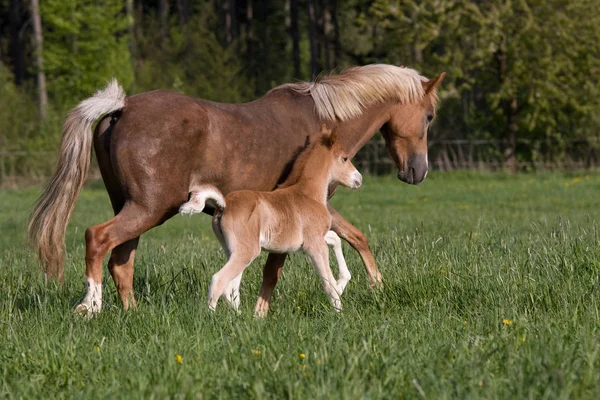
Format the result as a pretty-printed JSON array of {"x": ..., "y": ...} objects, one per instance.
[{"x": 434, "y": 83}]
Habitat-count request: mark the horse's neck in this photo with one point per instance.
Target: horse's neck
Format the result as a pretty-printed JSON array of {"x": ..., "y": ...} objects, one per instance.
[
  {"x": 356, "y": 132},
  {"x": 314, "y": 178}
]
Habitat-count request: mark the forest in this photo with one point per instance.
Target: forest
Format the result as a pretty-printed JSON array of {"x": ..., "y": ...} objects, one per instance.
[{"x": 522, "y": 89}]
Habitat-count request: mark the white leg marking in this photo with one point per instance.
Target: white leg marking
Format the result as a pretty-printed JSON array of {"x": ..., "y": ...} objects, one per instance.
[
  {"x": 320, "y": 259},
  {"x": 232, "y": 292},
  {"x": 92, "y": 303},
  {"x": 333, "y": 241}
]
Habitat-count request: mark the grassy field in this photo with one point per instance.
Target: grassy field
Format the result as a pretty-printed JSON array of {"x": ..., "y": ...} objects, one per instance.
[{"x": 492, "y": 287}]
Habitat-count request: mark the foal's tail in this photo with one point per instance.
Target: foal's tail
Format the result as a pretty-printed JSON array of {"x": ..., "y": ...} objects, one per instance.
[
  {"x": 48, "y": 222},
  {"x": 200, "y": 196}
]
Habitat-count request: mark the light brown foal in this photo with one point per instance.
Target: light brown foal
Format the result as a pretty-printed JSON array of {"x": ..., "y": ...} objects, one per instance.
[{"x": 291, "y": 218}]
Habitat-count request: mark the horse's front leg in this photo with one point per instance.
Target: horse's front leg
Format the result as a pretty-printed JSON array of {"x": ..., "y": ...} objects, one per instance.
[{"x": 358, "y": 241}]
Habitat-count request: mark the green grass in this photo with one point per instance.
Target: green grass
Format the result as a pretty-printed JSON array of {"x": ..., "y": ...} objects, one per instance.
[{"x": 459, "y": 254}]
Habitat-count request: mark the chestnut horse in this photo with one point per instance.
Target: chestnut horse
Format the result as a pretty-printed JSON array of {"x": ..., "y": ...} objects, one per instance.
[
  {"x": 293, "y": 217},
  {"x": 153, "y": 147}
]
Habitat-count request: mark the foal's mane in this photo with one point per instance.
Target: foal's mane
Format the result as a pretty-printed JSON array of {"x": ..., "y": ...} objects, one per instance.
[
  {"x": 302, "y": 160},
  {"x": 346, "y": 95}
]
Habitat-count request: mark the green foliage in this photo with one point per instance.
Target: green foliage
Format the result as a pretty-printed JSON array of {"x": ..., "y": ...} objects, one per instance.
[
  {"x": 85, "y": 45},
  {"x": 499, "y": 301},
  {"x": 190, "y": 60},
  {"x": 19, "y": 119}
]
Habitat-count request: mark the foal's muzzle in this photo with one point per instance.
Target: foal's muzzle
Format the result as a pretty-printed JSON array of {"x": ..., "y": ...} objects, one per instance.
[
  {"x": 415, "y": 170},
  {"x": 356, "y": 180}
]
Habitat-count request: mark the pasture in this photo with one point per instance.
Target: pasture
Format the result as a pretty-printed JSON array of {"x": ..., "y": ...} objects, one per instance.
[{"x": 492, "y": 287}]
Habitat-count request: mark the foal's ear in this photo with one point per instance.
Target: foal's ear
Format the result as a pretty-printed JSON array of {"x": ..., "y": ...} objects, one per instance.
[
  {"x": 434, "y": 83},
  {"x": 324, "y": 130},
  {"x": 328, "y": 137}
]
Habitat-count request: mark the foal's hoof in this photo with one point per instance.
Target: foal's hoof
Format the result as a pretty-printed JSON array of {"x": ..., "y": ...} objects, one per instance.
[
  {"x": 85, "y": 310},
  {"x": 378, "y": 283}
]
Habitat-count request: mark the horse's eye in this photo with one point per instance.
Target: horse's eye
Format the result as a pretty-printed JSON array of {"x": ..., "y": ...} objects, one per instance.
[
  {"x": 344, "y": 159},
  {"x": 429, "y": 117}
]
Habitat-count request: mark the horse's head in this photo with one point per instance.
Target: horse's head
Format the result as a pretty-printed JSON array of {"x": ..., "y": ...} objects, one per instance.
[
  {"x": 342, "y": 169},
  {"x": 405, "y": 133}
]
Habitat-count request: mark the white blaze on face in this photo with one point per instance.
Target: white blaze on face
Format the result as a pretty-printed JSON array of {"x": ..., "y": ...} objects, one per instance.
[
  {"x": 426, "y": 165},
  {"x": 93, "y": 298}
]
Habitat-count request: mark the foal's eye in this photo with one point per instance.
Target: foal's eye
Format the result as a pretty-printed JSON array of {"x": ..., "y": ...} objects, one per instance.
[
  {"x": 344, "y": 159},
  {"x": 429, "y": 117}
]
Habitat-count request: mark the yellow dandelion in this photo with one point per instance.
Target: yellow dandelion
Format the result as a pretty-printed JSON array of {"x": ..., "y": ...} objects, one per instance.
[
  {"x": 522, "y": 339},
  {"x": 425, "y": 199},
  {"x": 576, "y": 179},
  {"x": 302, "y": 356},
  {"x": 567, "y": 184},
  {"x": 480, "y": 383},
  {"x": 256, "y": 352},
  {"x": 319, "y": 362},
  {"x": 98, "y": 349},
  {"x": 442, "y": 271},
  {"x": 179, "y": 359},
  {"x": 298, "y": 308},
  {"x": 507, "y": 322}
]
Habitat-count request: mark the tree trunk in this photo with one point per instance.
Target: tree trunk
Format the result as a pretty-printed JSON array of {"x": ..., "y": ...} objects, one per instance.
[
  {"x": 328, "y": 48},
  {"x": 131, "y": 26},
  {"x": 295, "y": 38},
  {"x": 512, "y": 128},
  {"x": 16, "y": 41},
  {"x": 312, "y": 34},
  {"x": 229, "y": 10},
  {"x": 337, "y": 48},
  {"x": 184, "y": 12},
  {"x": 250, "y": 33},
  {"x": 39, "y": 52},
  {"x": 163, "y": 16}
]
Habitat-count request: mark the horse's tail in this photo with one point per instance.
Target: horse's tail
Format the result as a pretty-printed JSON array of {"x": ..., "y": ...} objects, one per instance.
[
  {"x": 200, "y": 196},
  {"x": 48, "y": 222}
]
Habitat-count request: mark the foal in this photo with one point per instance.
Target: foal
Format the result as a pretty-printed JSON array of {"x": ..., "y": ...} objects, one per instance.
[{"x": 291, "y": 218}]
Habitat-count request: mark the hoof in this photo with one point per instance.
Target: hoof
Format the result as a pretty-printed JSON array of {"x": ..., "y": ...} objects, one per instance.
[
  {"x": 85, "y": 311},
  {"x": 189, "y": 208}
]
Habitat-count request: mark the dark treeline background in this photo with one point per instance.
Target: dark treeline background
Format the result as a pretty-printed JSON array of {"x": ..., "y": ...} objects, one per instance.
[{"x": 523, "y": 75}]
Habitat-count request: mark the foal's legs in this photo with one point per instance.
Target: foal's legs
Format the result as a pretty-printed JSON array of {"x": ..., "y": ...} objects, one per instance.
[
  {"x": 120, "y": 266},
  {"x": 128, "y": 224},
  {"x": 319, "y": 255},
  {"x": 358, "y": 241},
  {"x": 241, "y": 257},
  {"x": 271, "y": 274},
  {"x": 333, "y": 241}
]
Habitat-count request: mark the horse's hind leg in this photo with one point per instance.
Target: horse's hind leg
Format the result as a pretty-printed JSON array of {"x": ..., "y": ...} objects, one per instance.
[
  {"x": 128, "y": 224},
  {"x": 121, "y": 259},
  {"x": 271, "y": 273}
]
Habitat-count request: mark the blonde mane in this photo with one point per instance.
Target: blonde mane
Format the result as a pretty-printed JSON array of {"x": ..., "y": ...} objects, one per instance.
[{"x": 346, "y": 95}]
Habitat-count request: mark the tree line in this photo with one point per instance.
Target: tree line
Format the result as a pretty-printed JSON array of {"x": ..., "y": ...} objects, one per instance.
[{"x": 518, "y": 71}]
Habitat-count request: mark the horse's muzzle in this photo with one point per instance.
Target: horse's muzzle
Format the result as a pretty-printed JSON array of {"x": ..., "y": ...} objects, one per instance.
[{"x": 414, "y": 171}]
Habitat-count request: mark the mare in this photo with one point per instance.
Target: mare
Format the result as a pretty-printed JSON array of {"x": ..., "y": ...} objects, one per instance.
[
  {"x": 153, "y": 147},
  {"x": 293, "y": 217}
]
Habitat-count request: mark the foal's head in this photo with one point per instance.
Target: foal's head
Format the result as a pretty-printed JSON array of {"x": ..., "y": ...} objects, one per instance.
[
  {"x": 406, "y": 133},
  {"x": 342, "y": 170}
]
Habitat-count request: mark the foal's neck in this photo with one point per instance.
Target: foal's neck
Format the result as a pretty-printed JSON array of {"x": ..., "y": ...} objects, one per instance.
[{"x": 314, "y": 177}]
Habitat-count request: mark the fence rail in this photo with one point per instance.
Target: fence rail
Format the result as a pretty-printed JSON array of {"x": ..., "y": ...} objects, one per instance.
[{"x": 21, "y": 168}]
